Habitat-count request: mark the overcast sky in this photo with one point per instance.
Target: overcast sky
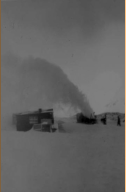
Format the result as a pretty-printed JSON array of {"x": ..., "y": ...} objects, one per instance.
[{"x": 84, "y": 37}]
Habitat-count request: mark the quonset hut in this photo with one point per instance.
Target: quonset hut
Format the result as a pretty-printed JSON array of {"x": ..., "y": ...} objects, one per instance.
[{"x": 25, "y": 121}]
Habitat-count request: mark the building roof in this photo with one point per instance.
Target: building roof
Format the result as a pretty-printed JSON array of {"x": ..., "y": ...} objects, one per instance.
[{"x": 35, "y": 112}]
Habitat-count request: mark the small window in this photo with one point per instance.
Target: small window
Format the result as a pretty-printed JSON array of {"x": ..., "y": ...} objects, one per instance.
[{"x": 33, "y": 120}]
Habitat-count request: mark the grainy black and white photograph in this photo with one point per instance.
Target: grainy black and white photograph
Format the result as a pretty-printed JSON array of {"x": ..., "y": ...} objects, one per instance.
[{"x": 63, "y": 96}]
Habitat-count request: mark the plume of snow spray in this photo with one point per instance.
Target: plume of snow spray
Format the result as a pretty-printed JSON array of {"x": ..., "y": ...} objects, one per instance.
[{"x": 33, "y": 83}]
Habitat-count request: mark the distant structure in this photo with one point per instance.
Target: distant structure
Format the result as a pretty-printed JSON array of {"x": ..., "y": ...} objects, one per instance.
[{"x": 115, "y": 117}]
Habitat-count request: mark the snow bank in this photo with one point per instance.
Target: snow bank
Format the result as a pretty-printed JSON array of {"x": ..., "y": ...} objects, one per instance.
[{"x": 89, "y": 158}]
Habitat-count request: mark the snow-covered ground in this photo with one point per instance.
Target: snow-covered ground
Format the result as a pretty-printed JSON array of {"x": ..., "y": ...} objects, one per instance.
[{"x": 78, "y": 158}]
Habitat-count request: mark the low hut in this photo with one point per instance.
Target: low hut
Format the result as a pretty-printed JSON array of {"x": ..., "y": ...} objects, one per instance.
[{"x": 25, "y": 121}]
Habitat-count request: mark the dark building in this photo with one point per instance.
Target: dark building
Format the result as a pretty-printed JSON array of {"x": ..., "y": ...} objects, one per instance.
[{"x": 25, "y": 121}]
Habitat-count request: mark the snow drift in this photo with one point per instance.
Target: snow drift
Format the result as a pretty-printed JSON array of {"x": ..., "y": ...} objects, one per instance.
[{"x": 84, "y": 158}]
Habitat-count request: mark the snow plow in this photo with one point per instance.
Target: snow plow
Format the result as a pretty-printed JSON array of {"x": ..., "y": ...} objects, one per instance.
[
  {"x": 83, "y": 119},
  {"x": 41, "y": 120}
]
